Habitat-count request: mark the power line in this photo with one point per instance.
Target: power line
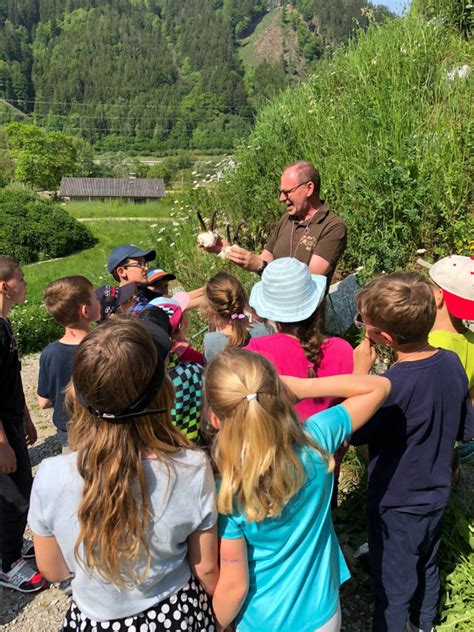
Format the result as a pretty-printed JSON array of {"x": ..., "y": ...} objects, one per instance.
[{"x": 102, "y": 104}]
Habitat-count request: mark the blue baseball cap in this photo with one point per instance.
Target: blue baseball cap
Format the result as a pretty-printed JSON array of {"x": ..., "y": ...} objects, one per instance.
[{"x": 127, "y": 251}]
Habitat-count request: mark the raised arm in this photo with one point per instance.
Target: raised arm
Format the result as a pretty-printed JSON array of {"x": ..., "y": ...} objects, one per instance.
[{"x": 363, "y": 394}]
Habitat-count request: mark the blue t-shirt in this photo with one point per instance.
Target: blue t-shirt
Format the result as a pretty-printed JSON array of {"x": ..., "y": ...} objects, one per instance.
[
  {"x": 54, "y": 376},
  {"x": 295, "y": 563},
  {"x": 411, "y": 438}
]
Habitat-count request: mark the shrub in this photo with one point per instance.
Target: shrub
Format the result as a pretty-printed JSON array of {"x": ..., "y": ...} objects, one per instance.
[
  {"x": 35, "y": 229},
  {"x": 34, "y": 328}
]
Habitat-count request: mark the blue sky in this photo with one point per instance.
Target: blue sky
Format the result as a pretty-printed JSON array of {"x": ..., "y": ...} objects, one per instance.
[{"x": 396, "y": 6}]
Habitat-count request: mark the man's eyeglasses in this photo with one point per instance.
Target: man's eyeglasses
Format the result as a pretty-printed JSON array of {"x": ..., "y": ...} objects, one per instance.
[
  {"x": 286, "y": 192},
  {"x": 359, "y": 323}
]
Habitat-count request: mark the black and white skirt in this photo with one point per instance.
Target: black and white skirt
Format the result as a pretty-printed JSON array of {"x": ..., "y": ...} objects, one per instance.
[{"x": 187, "y": 610}]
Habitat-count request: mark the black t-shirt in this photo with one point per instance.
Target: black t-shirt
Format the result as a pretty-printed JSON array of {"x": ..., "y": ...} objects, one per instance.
[
  {"x": 54, "y": 375},
  {"x": 12, "y": 398},
  {"x": 411, "y": 438}
]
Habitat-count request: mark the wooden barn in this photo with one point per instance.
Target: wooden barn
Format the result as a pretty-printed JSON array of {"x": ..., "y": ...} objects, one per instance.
[{"x": 128, "y": 189}]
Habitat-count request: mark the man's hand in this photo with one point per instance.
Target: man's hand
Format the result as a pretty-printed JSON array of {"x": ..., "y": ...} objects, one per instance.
[
  {"x": 364, "y": 357},
  {"x": 218, "y": 246},
  {"x": 7, "y": 458},
  {"x": 245, "y": 259}
]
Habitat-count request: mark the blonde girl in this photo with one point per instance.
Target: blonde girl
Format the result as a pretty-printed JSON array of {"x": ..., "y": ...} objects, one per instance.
[
  {"x": 131, "y": 511},
  {"x": 281, "y": 565}
]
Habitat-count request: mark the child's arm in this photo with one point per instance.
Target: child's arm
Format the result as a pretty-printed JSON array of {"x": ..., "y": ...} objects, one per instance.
[
  {"x": 364, "y": 394},
  {"x": 233, "y": 581},
  {"x": 202, "y": 555},
  {"x": 30, "y": 431},
  {"x": 49, "y": 558},
  {"x": 7, "y": 454},
  {"x": 44, "y": 402}
]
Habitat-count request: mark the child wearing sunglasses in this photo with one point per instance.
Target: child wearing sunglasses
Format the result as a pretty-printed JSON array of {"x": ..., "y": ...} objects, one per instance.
[{"x": 411, "y": 443}]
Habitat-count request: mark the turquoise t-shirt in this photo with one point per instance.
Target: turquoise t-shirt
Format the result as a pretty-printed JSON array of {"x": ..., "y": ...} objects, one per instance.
[{"x": 295, "y": 563}]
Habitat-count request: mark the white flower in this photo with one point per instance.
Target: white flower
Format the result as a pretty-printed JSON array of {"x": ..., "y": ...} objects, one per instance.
[{"x": 172, "y": 244}]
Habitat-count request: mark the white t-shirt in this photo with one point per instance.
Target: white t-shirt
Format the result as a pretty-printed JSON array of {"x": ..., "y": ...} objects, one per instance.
[{"x": 182, "y": 500}]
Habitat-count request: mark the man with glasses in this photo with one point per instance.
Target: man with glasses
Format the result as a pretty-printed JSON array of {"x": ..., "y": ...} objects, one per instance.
[{"x": 308, "y": 230}]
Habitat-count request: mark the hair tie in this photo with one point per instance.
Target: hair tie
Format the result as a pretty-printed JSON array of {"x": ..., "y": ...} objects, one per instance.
[
  {"x": 251, "y": 396},
  {"x": 239, "y": 316}
]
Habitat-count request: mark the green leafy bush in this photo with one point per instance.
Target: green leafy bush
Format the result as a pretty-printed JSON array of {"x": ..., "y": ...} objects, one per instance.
[
  {"x": 35, "y": 229},
  {"x": 34, "y": 328}
]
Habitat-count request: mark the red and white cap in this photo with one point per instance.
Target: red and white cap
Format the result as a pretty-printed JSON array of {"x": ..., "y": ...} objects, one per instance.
[{"x": 455, "y": 276}]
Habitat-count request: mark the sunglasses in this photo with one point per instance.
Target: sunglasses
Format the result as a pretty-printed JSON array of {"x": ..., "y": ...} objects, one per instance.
[{"x": 359, "y": 323}]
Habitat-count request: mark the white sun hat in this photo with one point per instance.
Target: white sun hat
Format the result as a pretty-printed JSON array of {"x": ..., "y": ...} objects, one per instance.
[{"x": 288, "y": 292}]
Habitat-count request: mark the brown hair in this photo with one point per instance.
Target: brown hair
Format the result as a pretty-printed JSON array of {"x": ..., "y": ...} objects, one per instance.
[
  {"x": 307, "y": 172},
  {"x": 64, "y": 297},
  {"x": 226, "y": 296},
  {"x": 113, "y": 512},
  {"x": 402, "y": 304},
  {"x": 254, "y": 449},
  {"x": 8, "y": 267},
  {"x": 309, "y": 333}
]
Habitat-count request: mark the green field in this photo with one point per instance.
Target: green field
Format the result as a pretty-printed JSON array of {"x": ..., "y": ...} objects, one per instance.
[{"x": 160, "y": 208}]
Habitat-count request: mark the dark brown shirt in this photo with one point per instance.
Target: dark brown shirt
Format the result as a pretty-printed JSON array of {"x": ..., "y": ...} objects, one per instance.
[{"x": 324, "y": 234}]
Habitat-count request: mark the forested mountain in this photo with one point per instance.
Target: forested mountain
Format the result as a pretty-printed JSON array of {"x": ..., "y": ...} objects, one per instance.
[{"x": 159, "y": 74}]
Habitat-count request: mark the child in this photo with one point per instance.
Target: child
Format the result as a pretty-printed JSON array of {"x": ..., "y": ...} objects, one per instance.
[
  {"x": 453, "y": 287},
  {"x": 185, "y": 365},
  {"x": 411, "y": 442},
  {"x": 73, "y": 304},
  {"x": 281, "y": 565},
  {"x": 116, "y": 300},
  {"x": 228, "y": 323},
  {"x": 16, "y": 433},
  {"x": 129, "y": 264},
  {"x": 293, "y": 298},
  {"x": 132, "y": 511},
  {"x": 158, "y": 281}
]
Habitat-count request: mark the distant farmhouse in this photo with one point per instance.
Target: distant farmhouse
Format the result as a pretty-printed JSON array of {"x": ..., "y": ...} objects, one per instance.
[{"x": 128, "y": 189}]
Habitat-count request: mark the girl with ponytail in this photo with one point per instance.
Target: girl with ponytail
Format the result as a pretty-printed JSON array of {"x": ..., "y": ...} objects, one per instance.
[
  {"x": 229, "y": 326},
  {"x": 281, "y": 565},
  {"x": 131, "y": 510}
]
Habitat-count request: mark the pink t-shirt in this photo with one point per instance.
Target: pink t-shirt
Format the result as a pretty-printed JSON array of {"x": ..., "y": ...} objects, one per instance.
[{"x": 288, "y": 357}]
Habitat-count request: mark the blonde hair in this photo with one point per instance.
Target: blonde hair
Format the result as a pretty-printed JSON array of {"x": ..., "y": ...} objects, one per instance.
[
  {"x": 255, "y": 447},
  {"x": 226, "y": 296},
  {"x": 113, "y": 512},
  {"x": 64, "y": 297},
  {"x": 401, "y": 303}
]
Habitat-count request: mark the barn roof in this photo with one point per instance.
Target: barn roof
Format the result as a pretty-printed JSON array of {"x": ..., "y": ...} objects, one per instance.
[{"x": 112, "y": 187}]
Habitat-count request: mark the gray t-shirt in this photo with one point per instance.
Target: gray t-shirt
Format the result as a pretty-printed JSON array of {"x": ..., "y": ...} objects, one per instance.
[
  {"x": 182, "y": 501},
  {"x": 215, "y": 341}
]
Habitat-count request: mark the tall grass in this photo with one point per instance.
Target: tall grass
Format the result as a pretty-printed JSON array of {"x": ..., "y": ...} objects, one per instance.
[{"x": 389, "y": 131}]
